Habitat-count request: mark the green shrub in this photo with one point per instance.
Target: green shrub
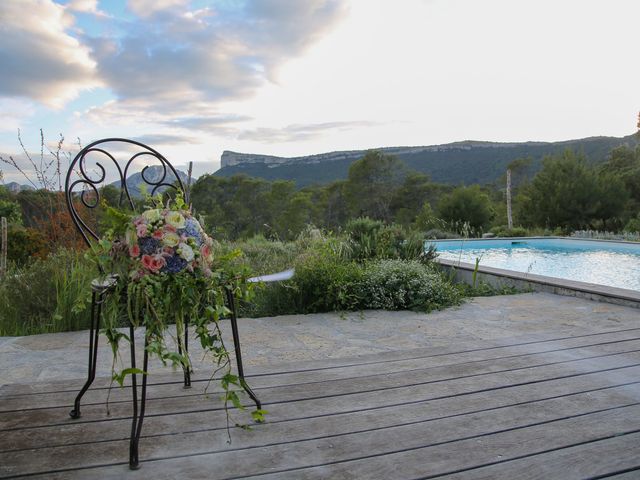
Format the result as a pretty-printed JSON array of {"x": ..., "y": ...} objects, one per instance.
[
  {"x": 325, "y": 282},
  {"x": 504, "y": 231},
  {"x": 633, "y": 225},
  {"x": 25, "y": 244},
  {"x": 265, "y": 256},
  {"x": 405, "y": 284},
  {"x": 437, "y": 234}
]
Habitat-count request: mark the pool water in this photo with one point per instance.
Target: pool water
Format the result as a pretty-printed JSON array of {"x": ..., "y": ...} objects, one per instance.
[{"x": 615, "y": 264}]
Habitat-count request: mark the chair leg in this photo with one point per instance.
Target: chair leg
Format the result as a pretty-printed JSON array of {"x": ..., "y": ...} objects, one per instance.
[
  {"x": 236, "y": 342},
  {"x": 186, "y": 367},
  {"x": 97, "y": 298},
  {"x": 138, "y": 418}
]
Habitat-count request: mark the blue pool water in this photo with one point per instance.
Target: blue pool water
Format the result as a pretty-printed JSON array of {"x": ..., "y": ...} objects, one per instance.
[{"x": 615, "y": 264}]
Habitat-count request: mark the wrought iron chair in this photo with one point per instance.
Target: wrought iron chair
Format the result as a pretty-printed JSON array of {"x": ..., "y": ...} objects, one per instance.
[{"x": 86, "y": 174}]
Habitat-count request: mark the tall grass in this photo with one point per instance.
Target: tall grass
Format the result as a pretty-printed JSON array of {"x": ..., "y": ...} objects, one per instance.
[{"x": 46, "y": 296}]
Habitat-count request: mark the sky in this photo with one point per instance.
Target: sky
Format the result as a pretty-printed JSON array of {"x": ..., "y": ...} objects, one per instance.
[{"x": 193, "y": 78}]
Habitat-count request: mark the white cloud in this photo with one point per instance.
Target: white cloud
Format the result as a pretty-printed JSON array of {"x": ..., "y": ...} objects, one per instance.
[
  {"x": 146, "y": 8},
  {"x": 39, "y": 59},
  {"x": 86, "y": 6}
]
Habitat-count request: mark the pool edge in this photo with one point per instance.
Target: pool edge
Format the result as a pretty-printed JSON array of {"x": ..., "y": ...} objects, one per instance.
[{"x": 499, "y": 278}]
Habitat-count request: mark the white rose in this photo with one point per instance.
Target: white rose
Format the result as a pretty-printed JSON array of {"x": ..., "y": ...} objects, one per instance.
[
  {"x": 185, "y": 251},
  {"x": 151, "y": 215},
  {"x": 175, "y": 219}
]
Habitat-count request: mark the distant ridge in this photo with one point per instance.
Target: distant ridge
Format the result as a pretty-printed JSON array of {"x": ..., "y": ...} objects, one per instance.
[
  {"x": 153, "y": 174},
  {"x": 465, "y": 162},
  {"x": 15, "y": 187}
]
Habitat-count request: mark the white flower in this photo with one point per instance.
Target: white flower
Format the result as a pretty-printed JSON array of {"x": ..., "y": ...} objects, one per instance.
[
  {"x": 170, "y": 239},
  {"x": 175, "y": 219},
  {"x": 185, "y": 251},
  {"x": 151, "y": 215}
]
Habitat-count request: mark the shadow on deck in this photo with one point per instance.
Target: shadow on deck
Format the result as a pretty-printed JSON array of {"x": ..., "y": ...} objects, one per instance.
[{"x": 533, "y": 408}]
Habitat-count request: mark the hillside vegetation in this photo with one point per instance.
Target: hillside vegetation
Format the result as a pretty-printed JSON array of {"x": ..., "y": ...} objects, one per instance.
[{"x": 457, "y": 163}]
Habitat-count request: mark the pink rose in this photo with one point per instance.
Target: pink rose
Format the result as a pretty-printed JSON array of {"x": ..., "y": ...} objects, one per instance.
[
  {"x": 158, "y": 235},
  {"x": 205, "y": 251},
  {"x": 153, "y": 263},
  {"x": 134, "y": 250},
  {"x": 170, "y": 228},
  {"x": 141, "y": 230}
]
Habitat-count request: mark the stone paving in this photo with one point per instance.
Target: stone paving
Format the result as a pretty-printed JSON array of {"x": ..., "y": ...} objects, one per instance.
[{"x": 293, "y": 338}]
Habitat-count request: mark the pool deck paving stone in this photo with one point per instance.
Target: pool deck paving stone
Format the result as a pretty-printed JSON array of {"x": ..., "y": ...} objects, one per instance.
[{"x": 531, "y": 385}]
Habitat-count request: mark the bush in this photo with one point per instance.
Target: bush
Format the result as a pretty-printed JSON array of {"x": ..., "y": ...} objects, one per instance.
[
  {"x": 324, "y": 282},
  {"x": 405, "y": 284},
  {"x": 633, "y": 225},
  {"x": 25, "y": 244},
  {"x": 504, "y": 231},
  {"x": 437, "y": 234}
]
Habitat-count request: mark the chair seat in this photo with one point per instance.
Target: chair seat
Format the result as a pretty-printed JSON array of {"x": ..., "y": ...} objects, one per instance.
[{"x": 104, "y": 283}]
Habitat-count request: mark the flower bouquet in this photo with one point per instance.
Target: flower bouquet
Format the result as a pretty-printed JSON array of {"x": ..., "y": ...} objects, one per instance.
[
  {"x": 170, "y": 242},
  {"x": 168, "y": 274}
]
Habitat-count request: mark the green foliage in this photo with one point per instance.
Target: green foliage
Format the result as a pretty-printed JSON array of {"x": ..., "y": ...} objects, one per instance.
[
  {"x": 405, "y": 284},
  {"x": 24, "y": 244},
  {"x": 504, "y": 231},
  {"x": 325, "y": 282},
  {"x": 11, "y": 211},
  {"x": 633, "y": 225},
  {"x": 46, "y": 295},
  {"x": 466, "y": 205},
  {"x": 371, "y": 184},
  {"x": 568, "y": 193}
]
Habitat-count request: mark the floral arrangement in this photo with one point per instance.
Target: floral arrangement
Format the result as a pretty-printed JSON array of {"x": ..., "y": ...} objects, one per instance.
[
  {"x": 169, "y": 241},
  {"x": 168, "y": 273}
]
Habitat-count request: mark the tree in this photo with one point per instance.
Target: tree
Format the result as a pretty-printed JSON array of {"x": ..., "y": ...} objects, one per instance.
[
  {"x": 567, "y": 193},
  {"x": 416, "y": 189},
  {"x": 371, "y": 183},
  {"x": 466, "y": 205}
]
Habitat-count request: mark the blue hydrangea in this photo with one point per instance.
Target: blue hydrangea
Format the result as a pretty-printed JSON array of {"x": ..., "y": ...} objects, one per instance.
[
  {"x": 174, "y": 264},
  {"x": 192, "y": 229},
  {"x": 149, "y": 245}
]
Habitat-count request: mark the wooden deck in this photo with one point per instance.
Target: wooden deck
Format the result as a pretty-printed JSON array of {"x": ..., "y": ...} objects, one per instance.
[{"x": 528, "y": 408}]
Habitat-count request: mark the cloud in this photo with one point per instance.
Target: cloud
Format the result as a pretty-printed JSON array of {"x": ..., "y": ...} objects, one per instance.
[
  {"x": 177, "y": 54},
  {"x": 300, "y": 132},
  {"x": 39, "y": 59},
  {"x": 86, "y": 6},
  {"x": 147, "y": 8},
  {"x": 215, "y": 123},
  {"x": 154, "y": 140}
]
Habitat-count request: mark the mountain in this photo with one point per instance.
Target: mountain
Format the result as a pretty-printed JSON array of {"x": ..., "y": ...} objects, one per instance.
[
  {"x": 152, "y": 174},
  {"x": 15, "y": 187},
  {"x": 453, "y": 163}
]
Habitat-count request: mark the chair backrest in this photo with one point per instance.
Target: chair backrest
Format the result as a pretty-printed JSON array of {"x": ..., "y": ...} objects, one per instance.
[{"x": 111, "y": 161}]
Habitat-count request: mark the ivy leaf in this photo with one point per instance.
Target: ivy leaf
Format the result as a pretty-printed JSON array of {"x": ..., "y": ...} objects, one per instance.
[
  {"x": 235, "y": 400},
  {"x": 258, "y": 415},
  {"x": 119, "y": 377}
]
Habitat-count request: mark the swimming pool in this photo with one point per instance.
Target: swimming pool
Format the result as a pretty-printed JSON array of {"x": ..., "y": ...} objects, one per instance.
[{"x": 613, "y": 264}]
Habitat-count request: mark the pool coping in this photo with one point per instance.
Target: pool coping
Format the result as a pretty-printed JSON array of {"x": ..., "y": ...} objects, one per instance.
[{"x": 500, "y": 278}]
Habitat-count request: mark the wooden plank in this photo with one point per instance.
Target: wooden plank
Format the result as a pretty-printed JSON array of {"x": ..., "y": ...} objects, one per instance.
[
  {"x": 399, "y": 452},
  {"x": 524, "y": 345},
  {"x": 413, "y": 417},
  {"x": 466, "y": 376},
  {"x": 214, "y": 421},
  {"x": 98, "y": 396},
  {"x": 591, "y": 460}
]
